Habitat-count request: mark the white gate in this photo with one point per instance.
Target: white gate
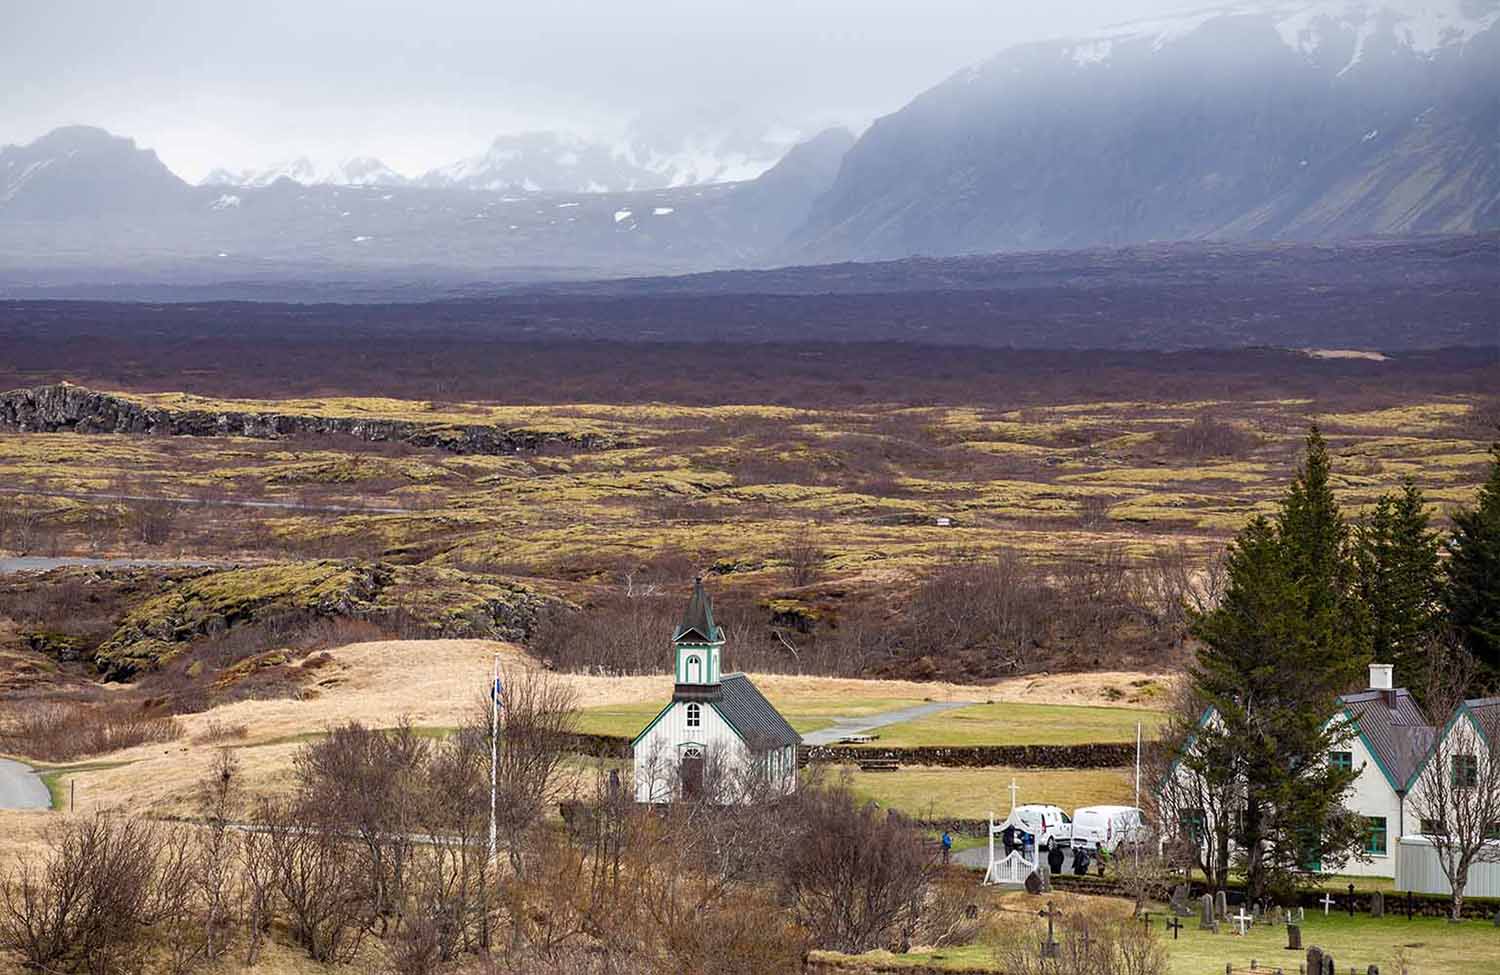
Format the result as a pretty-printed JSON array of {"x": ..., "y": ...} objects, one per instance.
[{"x": 1010, "y": 871}]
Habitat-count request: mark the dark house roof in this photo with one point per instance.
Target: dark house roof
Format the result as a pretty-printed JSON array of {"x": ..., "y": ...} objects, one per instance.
[
  {"x": 1486, "y": 714},
  {"x": 1396, "y": 729},
  {"x": 698, "y": 620},
  {"x": 747, "y": 710}
]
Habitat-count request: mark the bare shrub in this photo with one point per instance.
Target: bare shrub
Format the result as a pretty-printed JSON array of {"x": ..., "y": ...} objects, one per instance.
[
  {"x": 855, "y": 877},
  {"x": 362, "y": 783},
  {"x": 320, "y": 879},
  {"x": 86, "y": 903},
  {"x": 1093, "y": 511},
  {"x": 154, "y": 520},
  {"x": 1087, "y": 944},
  {"x": 1207, "y": 437},
  {"x": 804, "y": 558},
  {"x": 64, "y": 731},
  {"x": 216, "y": 732}
]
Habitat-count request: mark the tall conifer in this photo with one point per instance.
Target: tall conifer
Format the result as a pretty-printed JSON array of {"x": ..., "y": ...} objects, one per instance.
[
  {"x": 1396, "y": 555},
  {"x": 1472, "y": 593},
  {"x": 1274, "y": 656}
]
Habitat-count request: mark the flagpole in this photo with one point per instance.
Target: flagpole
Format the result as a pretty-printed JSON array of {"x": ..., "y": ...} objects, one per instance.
[{"x": 494, "y": 746}]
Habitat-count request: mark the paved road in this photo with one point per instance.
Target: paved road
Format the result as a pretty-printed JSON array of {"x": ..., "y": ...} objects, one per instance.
[
  {"x": 844, "y": 727},
  {"x": 978, "y": 857},
  {"x": 21, "y": 788}
]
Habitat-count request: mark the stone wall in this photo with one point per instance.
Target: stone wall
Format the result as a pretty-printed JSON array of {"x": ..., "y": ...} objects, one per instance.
[{"x": 981, "y": 756}]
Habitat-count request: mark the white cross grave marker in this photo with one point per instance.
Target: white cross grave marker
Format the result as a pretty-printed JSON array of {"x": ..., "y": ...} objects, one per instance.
[
  {"x": 1327, "y": 902},
  {"x": 1242, "y": 919}
]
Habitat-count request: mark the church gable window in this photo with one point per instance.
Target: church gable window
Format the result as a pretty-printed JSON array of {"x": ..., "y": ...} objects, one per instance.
[{"x": 694, "y": 714}]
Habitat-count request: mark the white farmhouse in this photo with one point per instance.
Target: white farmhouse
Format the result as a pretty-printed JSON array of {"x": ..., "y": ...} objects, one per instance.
[
  {"x": 1390, "y": 737},
  {"x": 718, "y": 739}
]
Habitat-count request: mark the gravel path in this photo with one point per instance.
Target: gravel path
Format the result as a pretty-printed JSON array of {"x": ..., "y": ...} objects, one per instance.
[
  {"x": 844, "y": 727},
  {"x": 21, "y": 787}
]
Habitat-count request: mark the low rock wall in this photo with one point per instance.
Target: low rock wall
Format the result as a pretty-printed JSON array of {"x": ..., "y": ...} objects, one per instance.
[{"x": 981, "y": 756}]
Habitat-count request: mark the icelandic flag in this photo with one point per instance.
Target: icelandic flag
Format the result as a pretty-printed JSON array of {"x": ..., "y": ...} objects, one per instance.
[{"x": 497, "y": 693}]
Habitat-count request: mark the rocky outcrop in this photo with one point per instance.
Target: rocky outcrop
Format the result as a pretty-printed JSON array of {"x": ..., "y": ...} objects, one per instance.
[
  {"x": 286, "y": 599},
  {"x": 67, "y": 408}
]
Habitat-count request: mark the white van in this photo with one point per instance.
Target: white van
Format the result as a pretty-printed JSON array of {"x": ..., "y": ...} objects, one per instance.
[
  {"x": 1049, "y": 824},
  {"x": 1104, "y": 828}
]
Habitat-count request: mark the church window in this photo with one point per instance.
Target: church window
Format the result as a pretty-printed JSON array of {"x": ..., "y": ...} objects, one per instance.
[
  {"x": 694, "y": 715},
  {"x": 1465, "y": 771},
  {"x": 694, "y": 670}
]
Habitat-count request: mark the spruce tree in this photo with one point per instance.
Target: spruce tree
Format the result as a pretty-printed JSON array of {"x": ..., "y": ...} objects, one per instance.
[
  {"x": 1399, "y": 580},
  {"x": 1472, "y": 593},
  {"x": 1274, "y": 655},
  {"x": 1315, "y": 543}
]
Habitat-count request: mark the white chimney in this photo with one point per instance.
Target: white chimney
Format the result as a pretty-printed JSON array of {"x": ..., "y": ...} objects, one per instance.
[{"x": 1380, "y": 677}]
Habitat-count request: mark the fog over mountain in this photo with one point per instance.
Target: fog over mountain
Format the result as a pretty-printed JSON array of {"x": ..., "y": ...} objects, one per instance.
[{"x": 1263, "y": 120}]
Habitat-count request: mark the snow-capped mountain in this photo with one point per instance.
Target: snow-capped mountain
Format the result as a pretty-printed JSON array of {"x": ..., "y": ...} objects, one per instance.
[
  {"x": 358, "y": 171},
  {"x": 1263, "y": 119},
  {"x": 547, "y": 162},
  {"x": 78, "y": 171}
]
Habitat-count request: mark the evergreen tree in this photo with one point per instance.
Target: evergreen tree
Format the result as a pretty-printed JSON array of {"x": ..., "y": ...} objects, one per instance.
[
  {"x": 1472, "y": 593},
  {"x": 1399, "y": 580},
  {"x": 1275, "y": 654},
  {"x": 1315, "y": 544}
]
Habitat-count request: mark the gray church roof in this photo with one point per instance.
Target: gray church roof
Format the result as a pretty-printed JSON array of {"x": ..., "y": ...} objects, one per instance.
[
  {"x": 757, "y": 721},
  {"x": 698, "y": 619},
  {"x": 1397, "y": 730}
]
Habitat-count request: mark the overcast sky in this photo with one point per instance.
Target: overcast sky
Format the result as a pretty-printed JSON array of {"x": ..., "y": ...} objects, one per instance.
[{"x": 419, "y": 84}]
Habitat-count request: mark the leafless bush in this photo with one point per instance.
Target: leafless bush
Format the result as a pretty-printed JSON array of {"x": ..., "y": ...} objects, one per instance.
[
  {"x": 854, "y": 877},
  {"x": 154, "y": 519},
  {"x": 85, "y": 905},
  {"x": 1093, "y": 511},
  {"x": 216, "y": 732},
  {"x": 804, "y": 558},
  {"x": 62, "y": 731},
  {"x": 1208, "y": 437},
  {"x": 320, "y": 879},
  {"x": 362, "y": 783},
  {"x": 21, "y": 527},
  {"x": 1087, "y": 944}
]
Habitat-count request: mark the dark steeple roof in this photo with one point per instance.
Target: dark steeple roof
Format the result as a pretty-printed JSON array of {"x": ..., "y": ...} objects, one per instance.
[
  {"x": 757, "y": 721},
  {"x": 697, "y": 624}
]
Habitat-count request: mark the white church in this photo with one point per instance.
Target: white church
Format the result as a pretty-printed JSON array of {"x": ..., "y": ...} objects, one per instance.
[{"x": 718, "y": 739}]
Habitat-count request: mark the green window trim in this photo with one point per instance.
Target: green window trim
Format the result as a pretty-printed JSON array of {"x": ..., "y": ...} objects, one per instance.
[
  {"x": 1376, "y": 836},
  {"x": 1344, "y": 761},
  {"x": 1465, "y": 771}
]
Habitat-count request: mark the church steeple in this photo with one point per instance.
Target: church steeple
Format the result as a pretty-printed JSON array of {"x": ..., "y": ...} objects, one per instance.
[{"x": 697, "y": 641}]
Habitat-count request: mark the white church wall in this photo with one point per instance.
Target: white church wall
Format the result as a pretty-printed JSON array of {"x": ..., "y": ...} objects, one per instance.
[{"x": 657, "y": 753}]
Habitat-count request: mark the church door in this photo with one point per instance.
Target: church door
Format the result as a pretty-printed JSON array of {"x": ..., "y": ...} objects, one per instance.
[{"x": 691, "y": 771}]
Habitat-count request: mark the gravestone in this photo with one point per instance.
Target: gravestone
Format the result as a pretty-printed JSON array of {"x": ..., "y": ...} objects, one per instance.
[
  {"x": 1377, "y": 904},
  {"x": 1034, "y": 882},
  {"x": 1301, "y": 914},
  {"x": 1258, "y": 914},
  {"x": 1328, "y": 966},
  {"x": 1044, "y": 873},
  {"x": 1496, "y": 919},
  {"x": 1179, "y": 901},
  {"x": 1314, "y": 960},
  {"x": 1221, "y": 905},
  {"x": 1373, "y": 970},
  {"x": 1206, "y": 920},
  {"x": 1293, "y": 937}
]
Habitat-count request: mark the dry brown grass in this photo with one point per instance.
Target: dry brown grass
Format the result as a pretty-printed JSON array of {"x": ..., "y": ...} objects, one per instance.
[{"x": 433, "y": 682}]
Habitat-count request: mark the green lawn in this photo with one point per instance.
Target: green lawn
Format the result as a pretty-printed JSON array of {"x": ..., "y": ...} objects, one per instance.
[
  {"x": 969, "y": 793},
  {"x": 1431, "y": 946},
  {"x": 1022, "y": 724},
  {"x": 803, "y": 713}
]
